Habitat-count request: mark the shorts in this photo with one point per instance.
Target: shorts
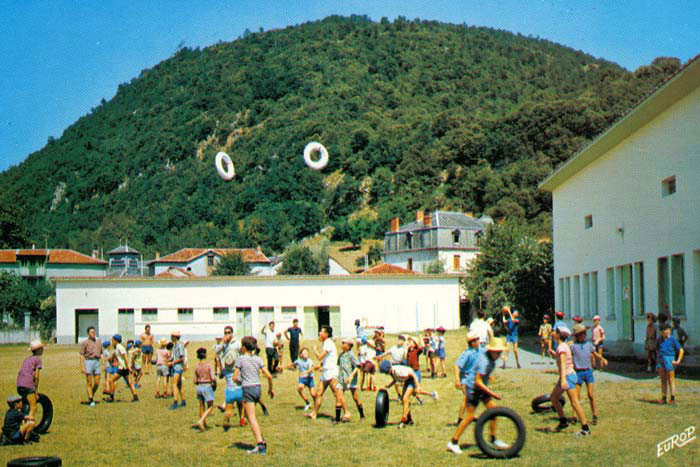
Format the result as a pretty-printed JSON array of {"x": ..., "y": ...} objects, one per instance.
[
  {"x": 163, "y": 370},
  {"x": 205, "y": 392},
  {"x": 368, "y": 367},
  {"x": 345, "y": 387},
  {"x": 111, "y": 370},
  {"x": 92, "y": 366},
  {"x": 234, "y": 394},
  {"x": 431, "y": 353},
  {"x": 171, "y": 371},
  {"x": 24, "y": 392},
  {"x": 512, "y": 338},
  {"x": 476, "y": 396},
  {"x": 406, "y": 385},
  {"x": 571, "y": 380},
  {"x": 599, "y": 346},
  {"x": 417, "y": 373},
  {"x": 252, "y": 393},
  {"x": 664, "y": 362},
  {"x": 178, "y": 368},
  {"x": 137, "y": 368},
  {"x": 328, "y": 375},
  {"x": 147, "y": 349},
  {"x": 123, "y": 373},
  {"x": 584, "y": 376},
  {"x": 441, "y": 354},
  {"x": 307, "y": 381}
]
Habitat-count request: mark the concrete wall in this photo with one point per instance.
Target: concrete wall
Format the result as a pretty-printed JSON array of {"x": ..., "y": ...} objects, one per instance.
[
  {"x": 400, "y": 303},
  {"x": 634, "y": 223}
]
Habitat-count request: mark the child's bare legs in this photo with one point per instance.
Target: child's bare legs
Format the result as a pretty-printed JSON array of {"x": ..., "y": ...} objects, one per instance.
[
  {"x": 318, "y": 400},
  {"x": 442, "y": 365},
  {"x": 358, "y": 402},
  {"x": 406, "y": 415},
  {"x": 671, "y": 376},
  {"x": 249, "y": 408},
  {"x": 554, "y": 398},
  {"x": 26, "y": 429},
  {"x": 504, "y": 355},
  {"x": 662, "y": 376},
  {"x": 492, "y": 424},
  {"x": 463, "y": 406},
  {"x": 300, "y": 390},
  {"x": 177, "y": 387},
  {"x": 32, "y": 398},
  {"x": 362, "y": 380},
  {"x": 578, "y": 410},
  {"x": 465, "y": 422},
  {"x": 203, "y": 414},
  {"x": 591, "y": 399},
  {"x": 340, "y": 402},
  {"x": 515, "y": 352}
]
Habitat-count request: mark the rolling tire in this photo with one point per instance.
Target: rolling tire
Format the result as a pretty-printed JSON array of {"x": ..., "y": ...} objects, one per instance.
[
  {"x": 46, "y": 414},
  {"x": 226, "y": 172},
  {"x": 381, "y": 409},
  {"x": 35, "y": 461},
  {"x": 486, "y": 447},
  {"x": 541, "y": 404},
  {"x": 315, "y": 147}
]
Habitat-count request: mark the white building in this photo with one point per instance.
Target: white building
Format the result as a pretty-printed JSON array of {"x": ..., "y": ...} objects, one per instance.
[
  {"x": 201, "y": 306},
  {"x": 626, "y": 218},
  {"x": 201, "y": 261}
]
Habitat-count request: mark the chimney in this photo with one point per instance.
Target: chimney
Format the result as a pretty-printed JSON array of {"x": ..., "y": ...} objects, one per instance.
[
  {"x": 419, "y": 216},
  {"x": 428, "y": 219},
  {"x": 157, "y": 254},
  {"x": 395, "y": 224}
]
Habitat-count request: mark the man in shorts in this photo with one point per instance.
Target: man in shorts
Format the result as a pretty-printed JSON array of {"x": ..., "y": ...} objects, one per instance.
[
  {"x": 146, "y": 349},
  {"x": 90, "y": 363}
]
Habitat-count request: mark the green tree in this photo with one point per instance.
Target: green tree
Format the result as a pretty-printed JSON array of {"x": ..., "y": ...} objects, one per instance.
[
  {"x": 299, "y": 261},
  {"x": 17, "y": 296},
  {"x": 12, "y": 233},
  {"x": 232, "y": 265}
]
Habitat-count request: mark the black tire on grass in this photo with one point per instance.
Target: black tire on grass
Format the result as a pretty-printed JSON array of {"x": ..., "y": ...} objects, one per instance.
[
  {"x": 381, "y": 409},
  {"x": 486, "y": 447},
  {"x": 46, "y": 414},
  {"x": 541, "y": 404},
  {"x": 35, "y": 461}
]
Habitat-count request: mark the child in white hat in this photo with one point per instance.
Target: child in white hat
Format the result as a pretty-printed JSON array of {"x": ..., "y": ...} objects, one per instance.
[{"x": 28, "y": 376}]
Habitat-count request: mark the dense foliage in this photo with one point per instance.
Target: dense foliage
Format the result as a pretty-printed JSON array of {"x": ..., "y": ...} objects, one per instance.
[
  {"x": 18, "y": 295},
  {"x": 232, "y": 265},
  {"x": 512, "y": 269},
  {"x": 415, "y": 114},
  {"x": 300, "y": 260}
]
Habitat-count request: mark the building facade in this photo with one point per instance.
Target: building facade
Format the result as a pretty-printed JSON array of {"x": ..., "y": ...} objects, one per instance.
[
  {"x": 625, "y": 218},
  {"x": 450, "y": 238},
  {"x": 35, "y": 264},
  {"x": 202, "y": 261}
]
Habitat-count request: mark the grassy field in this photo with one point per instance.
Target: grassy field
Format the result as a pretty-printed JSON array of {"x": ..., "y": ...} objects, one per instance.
[{"x": 146, "y": 433}]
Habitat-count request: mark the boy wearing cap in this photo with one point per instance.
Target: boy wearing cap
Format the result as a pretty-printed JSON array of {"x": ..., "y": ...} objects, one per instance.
[
  {"x": 348, "y": 368},
  {"x": 28, "y": 376},
  {"x": 90, "y": 358},
  {"x": 598, "y": 337},
  {"x": 121, "y": 357},
  {"x": 177, "y": 362},
  {"x": 566, "y": 382},
  {"x": 480, "y": 392},
  {"x": 397, "y": 356},
  {"x": 17, "y": 427},
  {"x": 512, "y": 322},
  {"x": 583, "y": 352}
]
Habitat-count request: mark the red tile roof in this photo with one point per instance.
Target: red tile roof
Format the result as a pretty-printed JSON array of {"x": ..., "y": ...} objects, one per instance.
[
  {"x": 388, "y": 269},
  {"x": 185, "y": 255},
  {"x": 170, "y": 272},
  {"x": 55, "y": 256}
]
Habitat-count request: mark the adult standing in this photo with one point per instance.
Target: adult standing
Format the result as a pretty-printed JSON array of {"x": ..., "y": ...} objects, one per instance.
[
  {"x": 146, "y": 349},
  {"x": 481, "y": 328},
  {"x": 90, "y": 363},
  {"x": 177, "y": 361},
  {"x": 293, "y": 335},
  {"x": 268, "y": 332}
]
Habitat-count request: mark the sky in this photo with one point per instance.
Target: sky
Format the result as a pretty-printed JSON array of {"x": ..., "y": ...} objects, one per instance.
[{"x": 59, "y": 58}]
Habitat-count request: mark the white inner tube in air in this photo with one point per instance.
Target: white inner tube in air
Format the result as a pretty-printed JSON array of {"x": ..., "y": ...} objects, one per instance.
[
  {"x": 315, "y": 147},
  {"x": 224, "y": 165}
]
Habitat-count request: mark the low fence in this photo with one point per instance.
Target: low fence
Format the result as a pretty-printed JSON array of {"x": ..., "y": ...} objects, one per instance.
[{"x": 18, "y": 336}]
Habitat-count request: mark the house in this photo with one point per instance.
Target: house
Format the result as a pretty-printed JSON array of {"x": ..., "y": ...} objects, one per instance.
[
  {"x": 34, "y": 264},
  {"x": 200, "y": 307},
  {"x": 625, "y": 218},
  {"x": 449, "y": 238},
  {"x": 202, "y": 261},
  {"x": 124, "y": 261}
]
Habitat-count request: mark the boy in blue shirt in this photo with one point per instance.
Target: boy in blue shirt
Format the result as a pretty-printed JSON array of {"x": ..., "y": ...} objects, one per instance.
[
  {"x": 667, "y": 347},
  {"x": 464, "y": 370},
  {"x": 486, "y": 362},
  {"x": 512, "y": 322},
  {"x": 582, "y": 353},
  {"x": 306, "y": 376}
]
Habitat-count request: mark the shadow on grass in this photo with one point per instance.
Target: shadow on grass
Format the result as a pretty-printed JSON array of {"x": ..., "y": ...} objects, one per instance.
[
  {"x": 650, "y": 401},
  {"x": 242, "y": 446}
]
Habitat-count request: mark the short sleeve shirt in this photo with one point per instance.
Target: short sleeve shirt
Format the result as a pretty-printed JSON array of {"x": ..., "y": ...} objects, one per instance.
[
  {"x": 304, "y": 366},
  {"x": 402, "y": 373},
  {"x": 249, "y": 367},
  {"x": 120, "y": 354},
  {"x": 347, "y": 363},
  {"x": 162, "y": 356},
  {"x": 512, "y": 326},
  {"x": 330, "y": 361},
  {"x": 581, "y": 354},
  {"x": 269, "y": 338},
  {"x": 481, "y": 329},
  {"x": 563, "y": 348},
  {"x": 467, "y": 364},
  {"x": 546, "y": 330},
  {"x": 228, "y": 353},
  {"x": 367, "y": 353},
  {"x": 25, "y": 377},
  {"x": 294, "y": 335},
  {"x": 91, "y": 348},
  {"x": 668, "y": 347},
  {"x": 397, "y": 354},
  {"x": 412, "y": 356},
  {"x": 178, "y": 351},
  {"x": 484, "y": 366},
  {"x": 597, "y": 333}
]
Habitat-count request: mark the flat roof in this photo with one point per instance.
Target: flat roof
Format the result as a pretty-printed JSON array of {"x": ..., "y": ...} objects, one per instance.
[{"x": 276, "y": 278}]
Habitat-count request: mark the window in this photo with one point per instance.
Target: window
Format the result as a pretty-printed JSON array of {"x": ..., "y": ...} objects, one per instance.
[
  {"x": 185, "y": 314},
  {"x": 586, "y": 295},
  {"x": 577, "y": 295},
  {"x": 221, "y": 313},
  {"x": 409, "y": 240},
  {"x": 639, "y": 288},
  {"x": 560, "y": 305},
  {"x": 455, "y": 262},
  {"x": 677, "y": 285},
  {"x": 455, "y": 236},
  {"x": 588, "y": 221},
  {"x": 289, "y": 309},
  {"x": 409, "y": 264},
  {"x": 594, "y": 293},
  {"x": 662, "y": 283},
  {"x": 478, "y": 236},
  {"x": 610, "y": 286},
  {"x": 149, "y": 314},
  {"x": 567, "y": 297},
  {"x": 668, "y": 186},
  {"x": 210, "y": 260}
]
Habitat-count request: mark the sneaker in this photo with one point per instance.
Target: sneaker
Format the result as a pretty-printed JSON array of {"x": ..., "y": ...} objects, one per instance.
[
  {"x": 435, "y": 395},
  {"x": 135, "y": 399},
  {"x": 92, "y": 404},
  {"x": 401, "y": 426},
  {"x": 500, "y": 444},
  {"x": 183, "y": 403},
  {"x": 561, "y": 426},
  {"x": 265, "y": 412},
  {"x": 454, "y": 447},
  {"x": 307, "y": 407},
  {"x": 259, "y": 449},
  {"x": 174, "y": 406},
  {"x": 672, "y": 401},
  {"x": 583, "y": 433},
  {"x": 648, "y": 369}
]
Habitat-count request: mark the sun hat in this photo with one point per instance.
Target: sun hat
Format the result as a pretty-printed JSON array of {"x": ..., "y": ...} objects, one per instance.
[
  {"x": 175, "y": 333},
  {"x": 596, "y": 317},
  {"x": 163, "y": 341},
  {"x": 579, "y": 328},
  {"x": 440, "y": 329},
  {"x": 559, "y": 314},
  {"x": 402, "y": 337},
  {"x": 385, "y": 366},
  {"x": 563, "y": 331},
  {"x": 35, "y": 345},
  {"x": 471, "y": 336},
  {"x": 13, "y": 399},
  {"x": 546, "y": 317},
  {"x": 219, "y": 338},
  {"x": 496, "y": 345},
  {"x": 117, "y": 337}
]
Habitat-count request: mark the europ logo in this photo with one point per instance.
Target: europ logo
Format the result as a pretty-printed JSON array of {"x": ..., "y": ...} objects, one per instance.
[{"x": 675, "y": 441}]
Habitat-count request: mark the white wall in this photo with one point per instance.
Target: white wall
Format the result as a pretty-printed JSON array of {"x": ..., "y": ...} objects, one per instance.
[
  {"x": 335, "y": 269},
  {"x": 623, "y": 189},
  {"x": 400, "y": 303}
]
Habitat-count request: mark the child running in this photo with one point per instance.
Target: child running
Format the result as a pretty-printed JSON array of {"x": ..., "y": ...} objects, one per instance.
[
  {"x": 348, "y": 368},
  {"x": 329, "y": 376},
  {"x": 666, "y": 349},
  {"x": 247, "y": 374},
  {"x": 28, "y": 376},
  {"x": 205, "y": 380},
  {"x": 476, "y": 380},
  {"x": 582, "y": 352},
  {"x": 566, "y": 382},
  {"x": 162, "y": 369},
  {"x": 404, "y": 375},
  {"x": 464, "y": 371},
  {"x": 17, "y": 427},
  {"x": 545, "y": 335},
  {"x": 306, "y": 376}
]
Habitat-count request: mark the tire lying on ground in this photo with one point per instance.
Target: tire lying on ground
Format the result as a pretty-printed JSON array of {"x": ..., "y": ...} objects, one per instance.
[
  {"x": 489, "y": 449},
  {"x": 311, "y": 148},
  {"x": 381, "y": 409},
  {"x": 542, "y": 403},
  {"x": 42, "y": 425},
  {"x": 35, "y": 461}
]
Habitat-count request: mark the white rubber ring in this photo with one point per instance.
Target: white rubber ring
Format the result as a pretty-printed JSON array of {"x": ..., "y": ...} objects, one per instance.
[
  {"x": 227, "y": 172},
  {"x": 311, "y": 148}
]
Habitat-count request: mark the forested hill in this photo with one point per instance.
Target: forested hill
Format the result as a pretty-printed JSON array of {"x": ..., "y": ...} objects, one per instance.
[{"x": 415, "y": 114}]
